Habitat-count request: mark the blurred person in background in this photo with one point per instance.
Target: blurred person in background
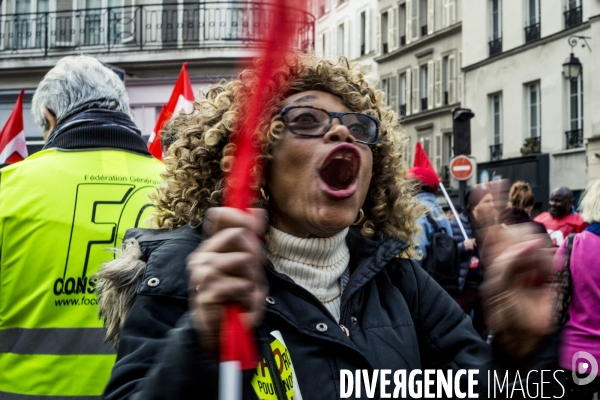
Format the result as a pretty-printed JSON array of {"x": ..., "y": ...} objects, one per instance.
[
  {"x": 426, "y": 186},
  {"x": 560, "y": 220},
  {"x": 481, "y": 213},
  {"x": 59, "y": 210},
  {"x": 520, "y": 204},
  {"x": 581, "y": 332}
]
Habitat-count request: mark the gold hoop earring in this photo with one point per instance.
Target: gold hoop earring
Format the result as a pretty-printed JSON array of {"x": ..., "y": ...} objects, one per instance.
[
  {"x": 264, "y": 195},
  {"x": 361, "y": 217}
]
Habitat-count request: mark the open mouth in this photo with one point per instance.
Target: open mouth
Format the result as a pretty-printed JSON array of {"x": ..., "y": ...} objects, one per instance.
[{"x": 339, "y": 172}]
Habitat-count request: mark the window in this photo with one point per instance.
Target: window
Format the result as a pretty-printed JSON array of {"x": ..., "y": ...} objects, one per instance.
[
  {"x": 534, "y": 110},
  {"x": 402, "y": 94},
  {"x": 573, "y": 13},
  {"x": 496, "y": 114},
  {"x": 447, "y": 155},
  {"x": 363, "y": 33},
  {"x": 320, "y": 8},
  {"x": 384, "y": 32},
  {"x": 393, "y": 93},
  {"x": 445, "y": 80},
  {"x": 425, "y": 139},
  {"x": 423, "y": 16},
  {"x": 341, "y": 34},
  {"x": 496, "y": 27},
  {"x": 575, "y": 113},
  {"x": 402, "y": 26},
  {"x": 532, "y": 28},
  {"x": 424, "y": 78}
]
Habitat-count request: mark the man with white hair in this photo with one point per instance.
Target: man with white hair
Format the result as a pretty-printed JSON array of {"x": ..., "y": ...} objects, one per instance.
[{"x": 60, "y": 210}]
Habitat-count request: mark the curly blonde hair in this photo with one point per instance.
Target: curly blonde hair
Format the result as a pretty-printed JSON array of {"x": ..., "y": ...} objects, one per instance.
[{"x": 197, "y": 162}]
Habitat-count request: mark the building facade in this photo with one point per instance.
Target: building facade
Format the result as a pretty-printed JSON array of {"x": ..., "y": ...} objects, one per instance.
[
  {"x": 145, "y": 42},
  {"x": 346, "y": 28},
  {"x": 418, "y": 54},
  {"x": 531, "y": 121}
]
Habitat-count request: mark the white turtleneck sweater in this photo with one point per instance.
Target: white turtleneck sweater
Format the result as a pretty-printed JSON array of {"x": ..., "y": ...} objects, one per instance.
[{"x": 315, "y": 264}]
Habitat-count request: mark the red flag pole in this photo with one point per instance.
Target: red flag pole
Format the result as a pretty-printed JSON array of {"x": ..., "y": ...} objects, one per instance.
[{"x": 237, "y": 341}]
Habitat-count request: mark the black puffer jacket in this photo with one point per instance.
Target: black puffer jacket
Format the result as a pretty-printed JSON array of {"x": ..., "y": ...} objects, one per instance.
[
  {"x": 469, "y": 278},
  {"x": 396, "y": 315}
]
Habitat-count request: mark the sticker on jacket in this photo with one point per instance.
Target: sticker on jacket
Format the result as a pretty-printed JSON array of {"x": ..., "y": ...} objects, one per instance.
[{"x": 262, "y": 382}]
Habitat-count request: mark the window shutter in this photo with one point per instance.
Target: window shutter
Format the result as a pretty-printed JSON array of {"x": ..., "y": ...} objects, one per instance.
[
  {"x": 430, "y": 17},
  {"x": 451, "y": 12},
  {"x": 415, "y": 90},
  {"x": 459, "y": 88},
  {"x": 415, "y": 20},
  {"x": 394, "y": 93},
  {"x": 430, "y": 85},
  {"x": 451, "y": 80},
  {"x": 408, "y": 22},
  {"x": 333, "y": 41},
  {"x": 438, "y": 83},
  {"x": 378, "y": 36},
  {"x": 393, "y": 31},
  {"x": 445, "y": 13},
  {"x": 347, "y": 38},
  {"x": 438, "y": 154},
  {"x": 367, "y": 31},
  {"x": 408, "y": 92},
  {"x": 319, "y": 46}
]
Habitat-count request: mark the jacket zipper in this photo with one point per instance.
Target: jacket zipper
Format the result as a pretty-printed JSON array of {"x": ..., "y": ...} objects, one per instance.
[{"x": 267, "y": 353}]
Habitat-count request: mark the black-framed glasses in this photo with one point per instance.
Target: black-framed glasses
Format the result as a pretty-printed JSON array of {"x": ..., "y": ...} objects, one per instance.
[{"x": 315, "y": 122}]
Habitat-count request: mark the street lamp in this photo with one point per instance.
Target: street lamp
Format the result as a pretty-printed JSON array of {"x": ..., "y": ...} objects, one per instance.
[{"x": 572, "y": 65}]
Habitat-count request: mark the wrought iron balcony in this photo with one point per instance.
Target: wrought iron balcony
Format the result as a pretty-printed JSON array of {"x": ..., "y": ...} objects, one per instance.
[
  {"x": 496, "y": 152},
  {"x": 574, "y": 138},
  {"x": 573, "y": 17},
  {"x": 495, "y": 46},
  {"x": 532, "y": 32},
  {"x": 146, "y": 27},
  {"x": 423, "y": 103}
]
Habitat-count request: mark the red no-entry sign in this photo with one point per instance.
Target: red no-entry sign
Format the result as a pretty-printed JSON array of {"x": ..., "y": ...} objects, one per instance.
[{"x": 461, "y": 168}]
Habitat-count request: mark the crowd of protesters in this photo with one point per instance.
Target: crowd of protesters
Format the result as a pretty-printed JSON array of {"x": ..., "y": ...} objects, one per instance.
[{"x": 328, "y": 266}]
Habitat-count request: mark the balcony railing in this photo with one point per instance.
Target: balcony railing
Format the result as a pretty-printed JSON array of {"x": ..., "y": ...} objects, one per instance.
[
  {"x": 423, "y": 103},
  {"x": 573, "y": 17},
  {"x": 402, "y": 110},
  {"x": 532, "y": 32},
  {"x": 146, "y": 27},
  {"x": 496, "y": 152},
  {"x": 495, "y": 46},
  {"x": 574, "y": 138}
]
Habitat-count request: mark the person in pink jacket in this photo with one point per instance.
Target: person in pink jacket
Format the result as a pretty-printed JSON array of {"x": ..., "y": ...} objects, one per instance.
[{"x": 580, "y": 351}]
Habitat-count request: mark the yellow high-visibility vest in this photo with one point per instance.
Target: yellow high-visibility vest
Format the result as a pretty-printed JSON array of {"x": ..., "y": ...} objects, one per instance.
[{"x": 60, "y": 212}]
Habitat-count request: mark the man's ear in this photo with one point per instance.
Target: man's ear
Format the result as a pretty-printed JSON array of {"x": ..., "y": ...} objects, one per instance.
[{"x": 51, "y": 119}]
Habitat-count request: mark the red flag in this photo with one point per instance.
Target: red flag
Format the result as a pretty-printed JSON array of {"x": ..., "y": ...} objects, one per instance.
[
  {"x": 182, "y": 99},
  {"x": 12, "y": 138},
  {"x": 422, "y": 168}
]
